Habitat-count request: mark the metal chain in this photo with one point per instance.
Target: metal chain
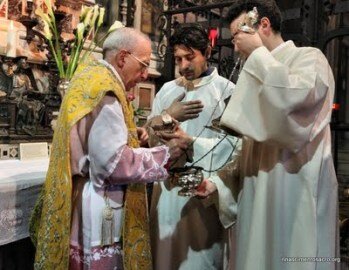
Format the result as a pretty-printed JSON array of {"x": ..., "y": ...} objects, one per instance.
[
  {"x": 228, "y": 159},
  {"x": 238, "y": 62}
]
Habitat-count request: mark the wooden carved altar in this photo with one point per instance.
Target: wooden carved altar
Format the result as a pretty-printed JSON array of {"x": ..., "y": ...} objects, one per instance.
[{"x": 28, "y": 77}]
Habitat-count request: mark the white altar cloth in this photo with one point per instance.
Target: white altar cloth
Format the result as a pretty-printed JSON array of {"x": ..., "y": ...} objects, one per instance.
[{"x": 20, "y": 184}]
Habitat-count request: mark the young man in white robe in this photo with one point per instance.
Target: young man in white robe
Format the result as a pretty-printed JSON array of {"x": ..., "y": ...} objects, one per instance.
[
  {"x": 188, "y": 232},
  {"x": 287, "y": 209}
]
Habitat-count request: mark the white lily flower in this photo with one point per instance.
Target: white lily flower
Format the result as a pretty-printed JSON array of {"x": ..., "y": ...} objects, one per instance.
[
  {"x": 95, "y": 15},
  {"x": 87, "y": 19},
  {"x": 101, "y": 16},
  {"x": 84, "y": 11},
  {"x": 116, "y": 25},
  {"x": 49, "y": 8},
  {"x": 47, "y": 31},
  {"x": 91, "y": 18},
  {"x": 80, "y": 31},
  {"x": 39, "y": 12},
  {"x": 48, "y": 4}
]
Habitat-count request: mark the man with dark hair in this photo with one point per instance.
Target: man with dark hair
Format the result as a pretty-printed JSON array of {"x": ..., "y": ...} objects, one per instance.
[
  {"x": 287, "y": 213},
  {"x": 188, "y": 232}
]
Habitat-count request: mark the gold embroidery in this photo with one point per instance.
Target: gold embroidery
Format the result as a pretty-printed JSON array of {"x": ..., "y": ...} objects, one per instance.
[{"x": 51, "y": 219}]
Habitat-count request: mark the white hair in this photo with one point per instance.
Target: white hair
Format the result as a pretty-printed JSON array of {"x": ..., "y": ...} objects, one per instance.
[{"x": 124, "y": 38}]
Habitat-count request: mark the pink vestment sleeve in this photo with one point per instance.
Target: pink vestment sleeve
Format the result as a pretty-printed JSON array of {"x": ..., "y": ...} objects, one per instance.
[
  {"x": 140, "y": 165},
  {"x": 112, "y": 160}
]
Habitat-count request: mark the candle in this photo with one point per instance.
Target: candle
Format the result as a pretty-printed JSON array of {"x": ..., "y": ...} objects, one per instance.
[{"x": 11, "y": 41}]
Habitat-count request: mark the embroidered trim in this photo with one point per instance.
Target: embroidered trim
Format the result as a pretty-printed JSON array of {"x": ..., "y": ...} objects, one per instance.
[{"x": 96, "y": 254}]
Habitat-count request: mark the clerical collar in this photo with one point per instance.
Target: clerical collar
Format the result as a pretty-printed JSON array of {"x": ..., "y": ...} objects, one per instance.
[{"x": 208, "y": 71}]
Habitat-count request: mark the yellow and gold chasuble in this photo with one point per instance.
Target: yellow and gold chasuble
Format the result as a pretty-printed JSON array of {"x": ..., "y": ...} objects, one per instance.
[{"x": 51, "y": 219}]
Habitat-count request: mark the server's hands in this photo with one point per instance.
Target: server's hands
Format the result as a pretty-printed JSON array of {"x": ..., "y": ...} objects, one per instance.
[
  {"x": 142, "y": 136},
  {"x": 206, "y": 188},
  {"x": 184, "y": 110}
]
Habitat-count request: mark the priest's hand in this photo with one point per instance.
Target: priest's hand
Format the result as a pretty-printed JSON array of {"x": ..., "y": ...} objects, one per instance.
[
  {"x": 187, "y": 152},
  {"x": 205, "y": 189},
  {"x": 178, "y": 141},
  {"x": 142, "y": 136},
  {"x": 177, "y": 148},
  {"x": 184, "y": 110},
  {"x": 176, "y": 133}
]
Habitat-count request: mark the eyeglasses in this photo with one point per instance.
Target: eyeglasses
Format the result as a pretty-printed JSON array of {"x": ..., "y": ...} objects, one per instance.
[{"x": 145, "y": 65}]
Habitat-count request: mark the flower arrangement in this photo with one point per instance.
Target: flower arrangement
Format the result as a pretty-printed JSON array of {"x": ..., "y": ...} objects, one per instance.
[{"x": 91, "y": 19}]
